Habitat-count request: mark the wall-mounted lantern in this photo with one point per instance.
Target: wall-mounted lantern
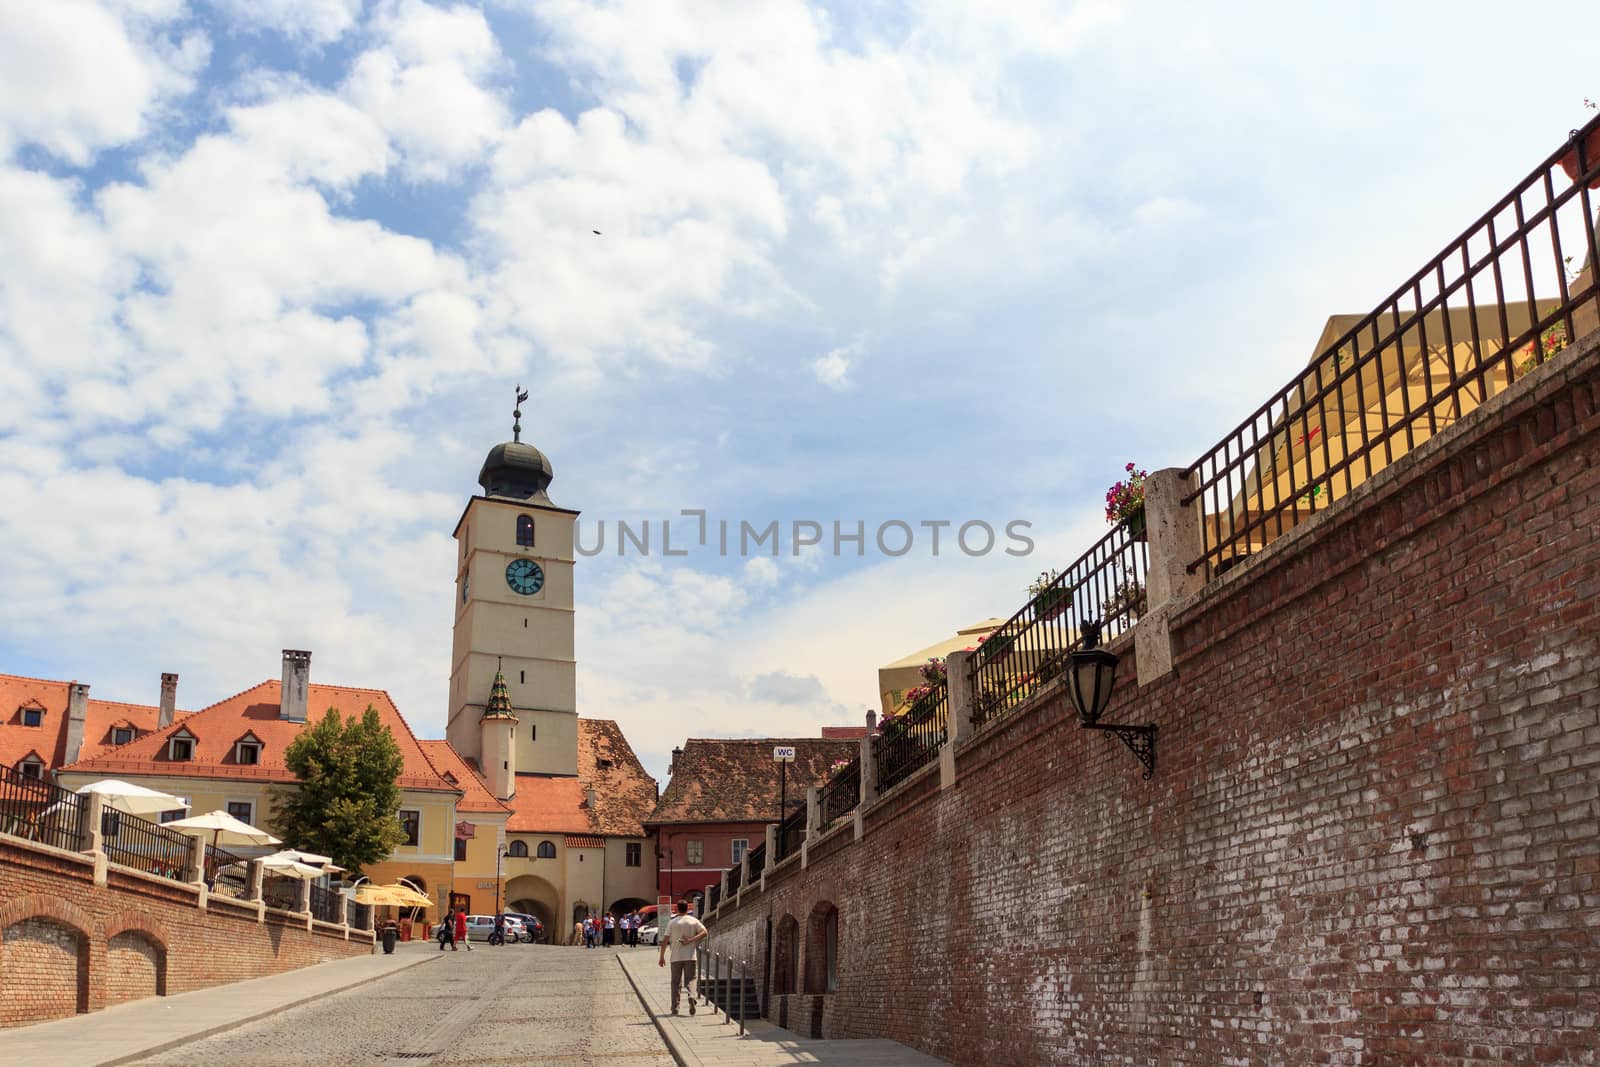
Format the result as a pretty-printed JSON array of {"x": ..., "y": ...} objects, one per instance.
[{"x": 1089, "y": 684}]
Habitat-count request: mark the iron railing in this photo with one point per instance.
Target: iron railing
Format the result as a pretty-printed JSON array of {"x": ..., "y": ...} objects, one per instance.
[
  {"x": 40, "y": 811},
  {"x": 841, "y": 793},
  {"x": 217, "y": 860},
  {"x": 715, "y": 898},
  {"x": 1460, "y": 330},
  {"x": 758, "y": 860},
  {"x": 358, "y": 916},
  {"x": 791, "y": 834},
  {"x": 144, "y": 846},
  {"x": 911, "y": 739},
  {"x": 735, "y": 878},
  {"x": 1032, "y": 647},
  {"x": 326, "y": 905}
]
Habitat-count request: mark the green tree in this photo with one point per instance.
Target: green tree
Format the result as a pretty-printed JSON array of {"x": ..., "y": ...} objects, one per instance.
[{"x": 348, "y": 802}]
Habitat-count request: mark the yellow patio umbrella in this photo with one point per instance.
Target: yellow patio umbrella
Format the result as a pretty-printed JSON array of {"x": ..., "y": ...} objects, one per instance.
[{"x": 395, "y": 896}]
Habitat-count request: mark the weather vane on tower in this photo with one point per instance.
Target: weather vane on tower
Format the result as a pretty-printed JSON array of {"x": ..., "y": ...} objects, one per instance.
[{"x": 516, "y": 414}]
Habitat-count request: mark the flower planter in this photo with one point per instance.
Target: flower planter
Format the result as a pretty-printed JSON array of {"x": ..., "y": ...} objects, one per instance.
[
  {"x": 1591, "y": 156},
  {"x": 1134, "y": 521},
  {"x": 996, "y": 651},
  {"x": 1050, "y": 603}
]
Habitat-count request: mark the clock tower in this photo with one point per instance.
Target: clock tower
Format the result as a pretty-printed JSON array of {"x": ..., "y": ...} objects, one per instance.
[{"x": 514, "y": 622}]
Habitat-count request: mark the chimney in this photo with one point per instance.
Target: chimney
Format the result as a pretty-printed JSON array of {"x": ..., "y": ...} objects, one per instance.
[
  {"x": 589, "y": 798},
  {"x": 672, "y": 768},
  {"x": 296, "y": 681},
  {"x": 169, "y": 699},
  {"x": 77, "y": 719}
]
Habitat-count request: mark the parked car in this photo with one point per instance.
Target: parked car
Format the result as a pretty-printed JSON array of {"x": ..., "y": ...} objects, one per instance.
[
  {"x": 534, "y": 928},
  {"x": 479, "y": 927},
  {"x": 648, "y": 934}
]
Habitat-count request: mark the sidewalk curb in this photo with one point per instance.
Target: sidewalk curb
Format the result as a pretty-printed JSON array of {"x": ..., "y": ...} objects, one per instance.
[
  {"x": 187, "y": 1039},
  {"x": 672, "y": 1047}
]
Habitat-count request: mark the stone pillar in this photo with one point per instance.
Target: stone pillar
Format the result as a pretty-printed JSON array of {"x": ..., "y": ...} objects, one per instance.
[
  {"x": 91, "y": 817},
  {"x": 195, "y": 870},
  {"x": 744, "y": 872},
  {"x": 960, "y": 702},
  {"x": 813, "y": 820},
  {"x": 705, "y": 901},
  {"x": 169, "y": 700},
  {"x": 254, "y": 879},
  {"x": 1175, "y": 542},
  {"x": 303, "y": 904},
  {"x": 77, "y": 719}
]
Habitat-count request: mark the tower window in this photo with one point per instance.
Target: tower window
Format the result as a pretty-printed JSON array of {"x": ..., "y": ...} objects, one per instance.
[
  {"x": 519, "y": 849},
  {"x": 525, "y": 530},
  {"x": 410, "y": 826},
  {"x": 522, "y": 676},
  {"x": 122, "y": 735},
  {"x": 533, "y": 732},
  {"x": 634, "y": 854},
  {"x": 32, "y": 717}
]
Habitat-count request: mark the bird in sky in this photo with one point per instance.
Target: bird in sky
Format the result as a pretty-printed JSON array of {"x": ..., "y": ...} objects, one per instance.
[{"x": 595, "y": 232}]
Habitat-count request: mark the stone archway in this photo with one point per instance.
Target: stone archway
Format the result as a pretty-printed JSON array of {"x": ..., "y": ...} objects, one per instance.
[
  {"x": 786, "y": 957},
  {"x": 532, "y": 895},
  {"x": 44, "y": 971},
  {"x": 822, "y": 948},
  {"x": 136, "y": 967}
]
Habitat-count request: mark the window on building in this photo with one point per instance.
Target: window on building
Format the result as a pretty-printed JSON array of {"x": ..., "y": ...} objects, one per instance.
[
  {"x": 248, "y": 753},
  {"x": 533, "y": 733},
  {"x": 461, "y": 849},
  {"x": 635, "y": 855},
  {"x": 180, "y": 749},
  {"x": 175, "y": 815},
  {"x": 32, "y": 717},
  {"x": 741, "y": 845},
  {"x": 694, "y": 853},
  {"x": 122, "y": 735},
  {"x": 466, "y": 587},
  {"x": 519, "y": 849},
  {"x": 522, "y": 676},
  {"x": 547, "y": 850},
  {"x": 603, "y": 764},
  {"x": 243, "y": 810},
  {"x": 411, "y": 823},
  {"x": 525, "y": 530},
  {"x": 31, "y": 768}
]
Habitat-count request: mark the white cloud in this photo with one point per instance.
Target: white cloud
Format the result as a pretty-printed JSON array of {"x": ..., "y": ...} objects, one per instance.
[
  {"x": 316, "y": 22},
  {"x": 76, "y": 76},
  {"x": 833, "y": 369}
]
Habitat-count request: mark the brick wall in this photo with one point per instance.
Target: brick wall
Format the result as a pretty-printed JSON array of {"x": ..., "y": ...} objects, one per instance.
[
  {"x": 1372, "y": 836},
  {"x": 67, "y": 945}
]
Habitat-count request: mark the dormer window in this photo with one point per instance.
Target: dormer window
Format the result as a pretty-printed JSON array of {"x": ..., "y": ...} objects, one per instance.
[
  {"x": 180, "y": 748},
  {"x": 247, "y": 750},
  {"x": 31, "y": 767},
  {"x": 122, "y": 735},
  {"x": 525, "y": 530},
  {"x": 32, "y": 716},
  {"x": 603, "y": 764}
]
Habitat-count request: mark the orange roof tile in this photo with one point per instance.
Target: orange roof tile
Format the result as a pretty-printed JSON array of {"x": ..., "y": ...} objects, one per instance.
[
  {"x": 736, "y": 780},
  {"x": 545, "y": 805},
  {"x": 475, "y": 795},
  {"x": 255, "y": 711},
  {"x": 584, "y": 841},
  {"x": 49, "y": 739},
  {"x": 624, "y": 793}
]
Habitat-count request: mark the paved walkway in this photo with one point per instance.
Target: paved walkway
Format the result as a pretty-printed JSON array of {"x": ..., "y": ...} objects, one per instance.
[
  {"x": 126, "y": 1032},
  {"x": 704, "y": 1038}
]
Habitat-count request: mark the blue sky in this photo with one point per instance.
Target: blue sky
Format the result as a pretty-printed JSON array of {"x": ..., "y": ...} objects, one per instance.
[{"x": 273, "y": 266}]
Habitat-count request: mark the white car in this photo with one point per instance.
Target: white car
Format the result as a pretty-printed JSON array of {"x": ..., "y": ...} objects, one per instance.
[{"x": 649, "y": 934}]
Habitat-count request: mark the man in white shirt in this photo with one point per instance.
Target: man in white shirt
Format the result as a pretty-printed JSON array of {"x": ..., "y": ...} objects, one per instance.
[{"x": 682, "y": 933}]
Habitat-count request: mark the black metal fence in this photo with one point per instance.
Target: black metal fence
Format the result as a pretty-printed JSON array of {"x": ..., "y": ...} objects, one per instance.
[
  {"x": 735, "y": 878},
  {"x": 1508, "y": 294},
  {"x": 758, "y": 860},
  {"x": 326, "y": 905},
  {"x": 791, "y": 834},
  {"x": 911, "y": 739},
  {"x": 230, "y": 869},
  {"x": 144, "y": 846},
  {"x": 715, "y": 897},
  {"x": 359, "y": 916},
  {"x": 1033, "y": 646},
  {"x": 841, "y": 793},
  {"x": 40, "y": 811}
]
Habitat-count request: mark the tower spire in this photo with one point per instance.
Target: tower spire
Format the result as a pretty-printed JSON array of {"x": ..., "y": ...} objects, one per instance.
[
  {"x": 516, "y": 414},
  {"x": 499, "y": 706}
]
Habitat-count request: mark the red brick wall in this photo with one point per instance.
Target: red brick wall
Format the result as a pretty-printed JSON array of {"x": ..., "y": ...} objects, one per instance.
[
  {"x": 68, "y": 946},
  {"x": 1372, "y": 836}
]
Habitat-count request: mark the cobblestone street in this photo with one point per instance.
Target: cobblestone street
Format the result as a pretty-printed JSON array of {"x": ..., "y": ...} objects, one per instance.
[{"x": 524, "y": 1004}]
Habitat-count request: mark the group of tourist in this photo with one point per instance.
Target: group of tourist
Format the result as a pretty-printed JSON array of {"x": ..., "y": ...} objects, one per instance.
[{"x": 599, "y": 931}]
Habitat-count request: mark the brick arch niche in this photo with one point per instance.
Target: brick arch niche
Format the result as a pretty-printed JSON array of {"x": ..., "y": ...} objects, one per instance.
[
  {"x": 822, "y": 948},
  {"x": 44, "y": 970},
  {"x": 786, "y": 956},
  {"x": 136, "y": 966}
]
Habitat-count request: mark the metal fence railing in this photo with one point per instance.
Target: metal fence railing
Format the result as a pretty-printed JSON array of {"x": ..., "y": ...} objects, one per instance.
[
  {"x": 1033, "y": 646},
  {"x": 218, "y": 862},
  {"x": 758, "y": 861},
  {"x": 326, "y": 905},
  {"x": 791, "y": 834},
  {"x": 1511, "y": 292},
  {"x": 840, "y": 794},
  {"x": 358, "y": 916},
  {"x": 144, "y": 846},
  {"x": 40, "y": 811},
  {"x": 735, "y": 878},
  {"x": 911, "y": 739},
  {"x": 715, "y": 898}
]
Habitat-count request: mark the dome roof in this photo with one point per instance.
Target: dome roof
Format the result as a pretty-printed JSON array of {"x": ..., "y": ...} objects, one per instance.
[{"x": 513, "y": 469}]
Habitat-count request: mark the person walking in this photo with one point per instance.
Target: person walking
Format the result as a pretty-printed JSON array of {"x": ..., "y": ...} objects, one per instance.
[
  {"x": 610, "y": 936},
  {"x": 623, "y": 925},
  {"x": 577, "y": 932},
  {"x": 447, "y": 933},
  {"x": 461, "y": 929},
  {"x": 682, "y": 933}
]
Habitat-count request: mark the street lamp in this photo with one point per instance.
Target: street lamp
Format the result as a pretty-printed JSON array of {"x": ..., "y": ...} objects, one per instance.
[
  {"x": 499, "y": 854},
  {"x": 1089, "y": 683}
]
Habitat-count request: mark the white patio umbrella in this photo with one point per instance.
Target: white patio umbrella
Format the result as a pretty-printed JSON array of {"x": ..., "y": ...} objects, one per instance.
[
  {"x": 223, "y": 828},
  {"x": 133, "y": 799},
  {"x": 309, "y": 858},
  {"x": 279, "y": 864}
]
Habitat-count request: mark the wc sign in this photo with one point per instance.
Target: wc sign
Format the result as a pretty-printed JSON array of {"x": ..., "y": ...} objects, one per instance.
[{"x": 783, "y": 753}]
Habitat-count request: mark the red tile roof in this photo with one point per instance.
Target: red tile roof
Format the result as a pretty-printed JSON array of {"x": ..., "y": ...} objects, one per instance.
[
  {"x": 585, "y": 841},
  {"x": 475, "y": 795},
  {"x": 215, "y": 730},
  {"x": 736, "y": 780},
  {"x": 624, "y": 793},
  {"x": 49, "y": 740}
]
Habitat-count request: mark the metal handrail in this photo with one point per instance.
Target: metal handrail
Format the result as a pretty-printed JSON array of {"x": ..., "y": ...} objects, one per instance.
[
  {"x": 40, "y": 811},
  {"x": 144, "y": 846},
  {"x": 1462, "y": 328}
]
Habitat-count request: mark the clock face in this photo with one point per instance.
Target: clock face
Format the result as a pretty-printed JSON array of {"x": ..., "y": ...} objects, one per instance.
[{"x": 524, "y": 576}]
